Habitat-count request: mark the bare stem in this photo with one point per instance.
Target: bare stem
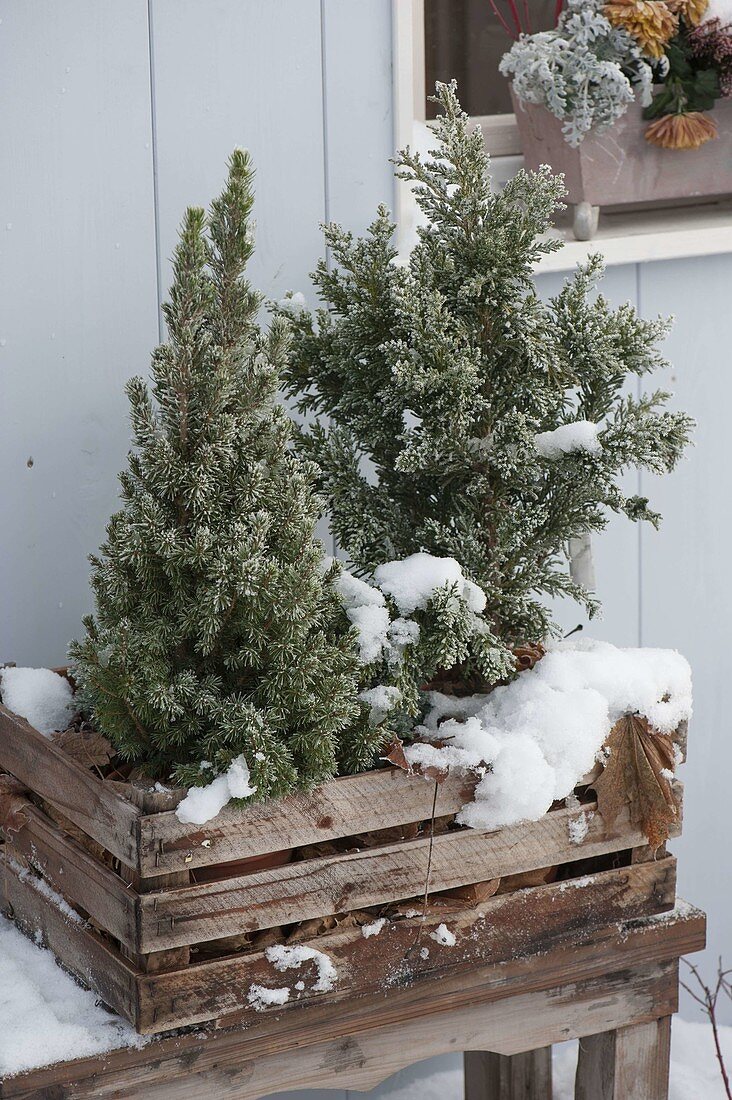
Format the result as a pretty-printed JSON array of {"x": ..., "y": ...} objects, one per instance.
[{"x": 707, "y": 999}]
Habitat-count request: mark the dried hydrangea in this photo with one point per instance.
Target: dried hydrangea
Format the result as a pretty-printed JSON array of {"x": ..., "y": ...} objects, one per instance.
[
  {"x": 711, "y": 43},
  {"x": 585, "y": 71}
]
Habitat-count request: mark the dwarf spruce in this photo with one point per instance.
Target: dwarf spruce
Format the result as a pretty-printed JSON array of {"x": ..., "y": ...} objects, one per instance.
[{"x": 212, "y": 635}]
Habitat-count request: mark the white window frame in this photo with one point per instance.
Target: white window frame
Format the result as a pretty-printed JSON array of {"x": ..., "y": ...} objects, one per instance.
[
  {"x": 500, "y": 132},
  {"x": 624, "y": 238}
]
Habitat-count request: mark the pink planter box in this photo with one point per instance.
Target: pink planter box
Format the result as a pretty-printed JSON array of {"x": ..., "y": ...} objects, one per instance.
[{"x": 620, "y": 166}]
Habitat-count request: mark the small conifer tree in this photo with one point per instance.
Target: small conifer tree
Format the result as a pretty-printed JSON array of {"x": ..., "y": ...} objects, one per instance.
[
  {"x": 213, "y": 634},
  {"x": 465, "y": 416}
]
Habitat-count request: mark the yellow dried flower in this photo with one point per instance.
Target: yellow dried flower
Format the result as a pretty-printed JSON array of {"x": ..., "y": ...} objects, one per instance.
[
  {"x": 689, "y": 10},
  {"x": 686, "y": 131},
  {"x": 650, "y": 22}
]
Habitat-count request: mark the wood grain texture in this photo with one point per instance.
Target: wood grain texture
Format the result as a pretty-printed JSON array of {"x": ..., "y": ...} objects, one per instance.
[
  {"x": 239, "y": 1065},
  {"x": 81, "y": 879},
  {"x": 526, "y": 923},
  {"x": 79, "y": 794},
  {"x": 81, "y": 951},
  {"x": 372, "y": 876},
  {"x": 631, "y": 1063},
  {"x": 343, "y": 807},
  {"x": 526, "y": 1076}
]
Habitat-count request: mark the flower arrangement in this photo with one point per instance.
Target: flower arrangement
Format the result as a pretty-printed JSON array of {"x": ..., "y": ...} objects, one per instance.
[{"x": 673, "y": 56}]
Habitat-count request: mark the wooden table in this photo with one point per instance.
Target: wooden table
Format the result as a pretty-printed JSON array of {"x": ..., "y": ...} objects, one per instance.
[{"x": 616, "y": 992}]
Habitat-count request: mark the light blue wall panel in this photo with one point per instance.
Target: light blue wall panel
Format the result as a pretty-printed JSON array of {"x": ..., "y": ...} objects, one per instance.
[
  {"x": 357, "y": 69},
  {"x": 686, "y": 592},
  {"x": 239, "y": 72},
  {"x": 615, "y": 550},
  {"x": 77, "y": 297}
]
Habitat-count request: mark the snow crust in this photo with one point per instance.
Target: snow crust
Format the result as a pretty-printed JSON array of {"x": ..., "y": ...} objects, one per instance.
[
  {"x": 381, "y": 699},
  {"x": 45, "y": 1017},
  {"x": 42, "y": 887},
  {"x": 366, "y": 609},
  {"x": 373, "y": 929},
  {"x": 203, "y": 804},
  {"x": 294, "y": 304},
  {"x": 532, "y": 740},
  {"x": 39, "y": 695},
  {"x": 581, "y": 435},
  {"x": 412, "y": 581},
  {"x": 443, "y": 935},
  {"x": 289, "y": 958},
  {"x": 260, "y": 997}
]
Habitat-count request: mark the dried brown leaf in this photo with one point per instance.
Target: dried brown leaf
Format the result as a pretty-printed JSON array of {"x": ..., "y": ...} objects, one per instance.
[
  {"x": 633, "y": 776},
  {"x": 88, "y": 747},
  {"x": 396, "y": 756},
  {"x": 528, "y": 655}
]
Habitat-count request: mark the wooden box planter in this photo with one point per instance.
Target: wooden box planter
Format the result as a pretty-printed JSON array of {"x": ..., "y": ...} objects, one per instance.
[
  {"x": 621, "y": 167},
  {"x": 107, "y": 873}
]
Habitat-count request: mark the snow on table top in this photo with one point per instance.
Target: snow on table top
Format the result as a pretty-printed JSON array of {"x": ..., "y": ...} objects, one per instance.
[{"x": 45, "y": 1017}]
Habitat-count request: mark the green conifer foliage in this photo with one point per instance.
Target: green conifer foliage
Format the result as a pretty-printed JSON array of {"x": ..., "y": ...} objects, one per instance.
[
  {"x": 437, "y": 374},
  {"x": 213, "y": 632}
]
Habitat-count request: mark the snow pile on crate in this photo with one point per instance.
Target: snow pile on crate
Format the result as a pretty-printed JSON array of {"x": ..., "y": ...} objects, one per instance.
[
  {"x": 532, "y": 740},
  {"x": 45, "y": 1017},
  {"x": 202, "y": 804},
  {"x": 39, "y": 695}
]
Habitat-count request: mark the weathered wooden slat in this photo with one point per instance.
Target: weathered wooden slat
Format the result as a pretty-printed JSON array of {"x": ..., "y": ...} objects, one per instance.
[
  {"x": 520, "y": 924},
  {"x": 79, "y": 877},
  {"x": 79, "y": 794},
  {"x": 630, "y": 1063},
  {"x": 526, "y": 1076},
  {"x": 372, "y": 876},
  {"x": 342, "y": 807},
  {"x": 80, "y": 950},
  {"x": 358, "y": 1053}
]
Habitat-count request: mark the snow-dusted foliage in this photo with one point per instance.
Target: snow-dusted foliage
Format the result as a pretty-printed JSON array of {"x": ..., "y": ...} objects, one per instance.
[
  {"x": 585, "y": 71},
  {"x": 416, "y": 621},
  {"x": 532, "y": 740},
  {"x": 452, "y": 411},
  {"x": 212, "y": 637}
]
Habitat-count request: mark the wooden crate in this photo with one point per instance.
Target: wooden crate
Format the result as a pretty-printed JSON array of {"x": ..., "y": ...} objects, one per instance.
[{"x": 108, "y": 876}]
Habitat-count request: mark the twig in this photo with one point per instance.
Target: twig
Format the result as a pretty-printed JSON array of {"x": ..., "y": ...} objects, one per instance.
[
  {"x": 708, "y": 1002},
  {"x": 425, "y": 901},
  {"x": 499, "y": 16}
]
